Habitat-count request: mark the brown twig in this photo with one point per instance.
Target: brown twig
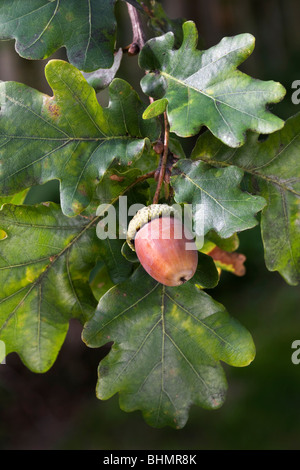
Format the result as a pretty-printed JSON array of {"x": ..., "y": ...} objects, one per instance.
[
  {"x": 164, "y": 158},
  {"x": 138, "y": 42},
  {"x": 138, "y": 39},
  {"x": 142, "y": 178}
]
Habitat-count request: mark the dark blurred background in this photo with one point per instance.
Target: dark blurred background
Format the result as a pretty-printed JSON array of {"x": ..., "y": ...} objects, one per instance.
[{"x": 59, "y": 409}]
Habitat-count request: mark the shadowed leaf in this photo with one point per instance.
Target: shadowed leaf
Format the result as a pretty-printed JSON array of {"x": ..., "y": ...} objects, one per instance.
[
  {"x": 273, "y": 167},
  {"x": 218, "y": 202},
  {"x": 86, "y": 29},
  {"x": 167, "y": 348},
  {"x": 101, "y": 78}
]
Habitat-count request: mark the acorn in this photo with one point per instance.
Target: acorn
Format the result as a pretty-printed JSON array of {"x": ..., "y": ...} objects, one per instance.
[{"x": 164, "y": 246}]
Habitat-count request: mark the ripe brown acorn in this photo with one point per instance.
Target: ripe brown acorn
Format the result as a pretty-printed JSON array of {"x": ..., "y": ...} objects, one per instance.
[{"x": 163, "y": 245}]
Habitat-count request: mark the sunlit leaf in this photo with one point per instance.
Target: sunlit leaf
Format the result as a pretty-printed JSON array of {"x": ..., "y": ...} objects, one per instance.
[
  {"x": 204, "y": 88},
  {"x": 44, "y": 272},
  {"x": 69, "y": 136}
]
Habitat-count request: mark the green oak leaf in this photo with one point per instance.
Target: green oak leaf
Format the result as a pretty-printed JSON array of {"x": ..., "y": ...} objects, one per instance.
[
  {"x": 156, "y": 108},
  {"x": 204, "y": 88},
  {"x": 119, "y": 207},
  {"x": 101, "y": 78},
  {"x": 111, "y": 187},
  {"x": 228, "y": 244},
  {"x": 45, "y": 262},
  {"x": 16, "y": 199},
  {"x": 176, "y": 148},
  {"x": 69, "y": 136},
  {"x": 167, "y": 348},
  {"x": 206, "y": 275},
  {"x": 100, "y": 280},
  {"x": 118, "y": 267},
  {"x": 86, "y": 29},
  {"x": 114, "y": 181},
  {"x": 274, "y": 168},
  {"x": 129, "y": 254},
  {"x": 218, "y": 203},
  {"x": 160, "y": 23}
]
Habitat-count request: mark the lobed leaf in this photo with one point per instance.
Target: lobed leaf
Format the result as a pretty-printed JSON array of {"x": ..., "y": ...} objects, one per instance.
[
  {"x": 160, "y": 23},
  {"x": 45, "y": 263},
  {"x": 44, "y": 271},
  {"x": 217, "y": 200},
  {"x": 101, "y": 78},
  {"x": 86, "y": 29},
  {"x": 204, "y": 88},
  {"x": 167, "y": 348},
  {"x": 274, "y": 168},
  {"x": 50, "y": 267},
  {"x": 69, "y": 136}
]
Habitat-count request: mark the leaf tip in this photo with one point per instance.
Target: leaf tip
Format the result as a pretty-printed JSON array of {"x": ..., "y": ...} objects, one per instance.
[
  {"x": 3, "y": 235},
  {"x": 155, "y": 109}
]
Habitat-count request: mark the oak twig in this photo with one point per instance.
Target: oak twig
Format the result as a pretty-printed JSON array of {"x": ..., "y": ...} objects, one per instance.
[
  {"x": 138, "y": 39},
  {"x": 164, "y": 158}
]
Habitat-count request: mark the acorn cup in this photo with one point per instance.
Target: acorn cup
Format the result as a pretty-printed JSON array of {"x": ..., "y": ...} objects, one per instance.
[{"x": 164, "y": 247}]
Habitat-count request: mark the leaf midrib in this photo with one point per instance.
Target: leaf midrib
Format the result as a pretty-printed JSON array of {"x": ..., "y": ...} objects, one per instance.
[
  {"x": 26, "y": 14},
  {"x": 71, "y": 243},
  {"x": 199, "y": 321},
  {"x": 266, "y": 178},
  {"x": 65, "y": 143},
  {"x": 44, "y": 273},
  {"x": 198, "y": 90},
  {"x": 46, "y": 27},
  {"x": 69, "y": 139},
  {"x": 210, "y": 196}
]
